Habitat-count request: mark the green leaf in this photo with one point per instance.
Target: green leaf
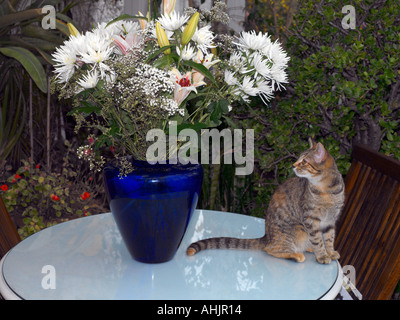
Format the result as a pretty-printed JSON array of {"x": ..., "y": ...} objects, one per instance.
[
  {"x": 159, "y": 51},
  {"x": 63, "y": 27},
  {"x": 87, "y": 108},
  {"x": 200, "y": 68},
  {"x": 125, "y": 17},
  {"x": 30, "y": 63},
  {"x": 196, "y": 126},
  {"x": 10, "y": 19}
]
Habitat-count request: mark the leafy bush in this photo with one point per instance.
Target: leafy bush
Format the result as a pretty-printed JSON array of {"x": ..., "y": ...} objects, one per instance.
[
  {"x": 43, "y": 199},
  {"x": 25, "y": 48},
  {"x": 344, "y": 89}
]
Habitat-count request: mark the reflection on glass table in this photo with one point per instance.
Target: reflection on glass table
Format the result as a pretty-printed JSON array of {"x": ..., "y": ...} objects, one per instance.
[{"x": 87, "y": 259}]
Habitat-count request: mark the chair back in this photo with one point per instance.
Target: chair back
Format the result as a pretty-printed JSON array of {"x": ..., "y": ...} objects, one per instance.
[
  {"x": 368, "y": 231},
  {"x": 9, "y": 236}
]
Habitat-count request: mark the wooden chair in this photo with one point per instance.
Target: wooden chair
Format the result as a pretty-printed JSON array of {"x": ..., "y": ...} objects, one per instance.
[
  {"x": 368, "y": 232},
  {"x": 9, "y": 236}
]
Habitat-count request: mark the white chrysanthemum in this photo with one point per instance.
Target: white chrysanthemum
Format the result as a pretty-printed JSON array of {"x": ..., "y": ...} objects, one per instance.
[
  {"x": 98, "y": 50},
  {"x": 248, "y": 86},
  {"x": 129, "y": 27},
  {"x": 261, "y": 65},
  {"x": 90, "y": 80},
  {"x": 204, "y": 38},
  {"x": 97, "y": 42},
  {"x": 253, "y": 41},
  {"x": 236, "y": 60},
  {"x": 77, "y": 43},
  {"x": 102, "y": 31},
  {"x": 230, "y": 78},
  {"x": 276, "y": 54},
  {"x": 278, "y": 76},
  {"x": 172, "y": 22},
  {"x": 188, "y": 52},
  {"x": 265, "y": 90},
  {"x": 65, "y": 59}
]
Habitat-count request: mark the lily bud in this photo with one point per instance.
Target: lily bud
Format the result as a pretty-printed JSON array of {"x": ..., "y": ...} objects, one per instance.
[
  {"x": 190, "y": 29},
  {"x": 168, "y": 6},
  {"x": 162, "y": 38},
  {"x": 143, "y": 22},
  {"x": 72, "y": 30}
]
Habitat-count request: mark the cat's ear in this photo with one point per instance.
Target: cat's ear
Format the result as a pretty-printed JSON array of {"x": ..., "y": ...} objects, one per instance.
[
  {"x": 320, "y": 153},
  {"x": 312, "y": 142}
]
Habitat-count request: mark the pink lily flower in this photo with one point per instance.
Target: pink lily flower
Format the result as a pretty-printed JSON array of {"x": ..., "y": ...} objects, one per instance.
[
  {"x": 127, "y": 43},
  {"x": 184, "y": 84},
  {"x": 206, "y": 61}
]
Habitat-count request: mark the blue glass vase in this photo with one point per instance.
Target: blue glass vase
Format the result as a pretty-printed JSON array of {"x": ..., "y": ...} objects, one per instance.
[{"x": 152, "y": 206}]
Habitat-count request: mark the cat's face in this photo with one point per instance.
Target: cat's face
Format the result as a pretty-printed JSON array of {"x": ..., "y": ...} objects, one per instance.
[{"x": 311, "y": 162}]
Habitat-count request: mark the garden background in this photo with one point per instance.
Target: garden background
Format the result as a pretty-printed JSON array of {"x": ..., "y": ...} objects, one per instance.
[{"x": 344, "y": 88}]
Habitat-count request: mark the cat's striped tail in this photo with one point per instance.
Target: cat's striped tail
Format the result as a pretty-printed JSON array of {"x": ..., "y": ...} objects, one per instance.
[{"x": 226, "y": 243}]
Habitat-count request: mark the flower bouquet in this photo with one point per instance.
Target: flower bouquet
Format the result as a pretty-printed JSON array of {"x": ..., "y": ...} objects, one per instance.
[{"x": 128, "y": 77}]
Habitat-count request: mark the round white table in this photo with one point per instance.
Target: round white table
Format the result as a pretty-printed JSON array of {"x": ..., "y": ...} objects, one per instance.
[{"x": 86, "y": 259}]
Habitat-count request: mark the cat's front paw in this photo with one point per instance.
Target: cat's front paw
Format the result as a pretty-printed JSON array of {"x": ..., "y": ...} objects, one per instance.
[
  {"x": 334, "y": 255},
  {"x": 324, "y": 259}
]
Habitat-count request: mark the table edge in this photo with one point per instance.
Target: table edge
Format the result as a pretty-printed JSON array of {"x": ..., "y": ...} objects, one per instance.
[
  {"x": 332, "y": 293},
  {"x": 5, "y": 291},
  {"x": 8, "y": 294}
]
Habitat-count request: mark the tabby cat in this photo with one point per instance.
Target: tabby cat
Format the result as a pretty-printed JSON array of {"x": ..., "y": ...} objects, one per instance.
[{"x": 301, "y": 215}]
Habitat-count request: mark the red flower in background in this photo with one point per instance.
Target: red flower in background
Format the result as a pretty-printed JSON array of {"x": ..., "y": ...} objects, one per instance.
[
  {"x": 55, "y": 198},
  {"x": 4, "y": 187},
  {"x": 85, "y": 195},
  {"x": 17, "y": 176}
]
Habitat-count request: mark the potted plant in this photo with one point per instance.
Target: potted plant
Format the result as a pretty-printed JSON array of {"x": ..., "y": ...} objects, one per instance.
[{"x": 128, "y": 78}]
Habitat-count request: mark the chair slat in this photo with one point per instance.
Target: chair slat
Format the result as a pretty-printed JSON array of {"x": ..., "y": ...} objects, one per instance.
[{"x": 368, "y": 235}]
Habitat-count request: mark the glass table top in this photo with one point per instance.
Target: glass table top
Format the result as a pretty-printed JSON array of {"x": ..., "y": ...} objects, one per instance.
[{"x": 88, "y": 260}]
